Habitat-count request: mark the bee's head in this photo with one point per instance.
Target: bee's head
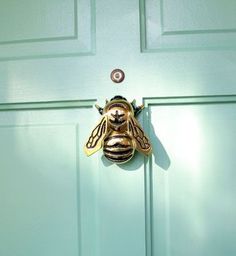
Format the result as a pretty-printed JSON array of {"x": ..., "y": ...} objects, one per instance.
[
  {"x": 118, "y": 97},
  {"x": 136, "y": 109},
  {"x": 121, "y": 102}
]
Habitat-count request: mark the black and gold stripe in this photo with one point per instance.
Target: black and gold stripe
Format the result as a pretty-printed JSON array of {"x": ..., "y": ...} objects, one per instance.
[{"x": 118, "y": 148}]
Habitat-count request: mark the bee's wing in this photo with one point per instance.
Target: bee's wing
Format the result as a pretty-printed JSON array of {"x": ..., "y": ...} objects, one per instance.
[
  {"x": 96, "y": 138},
  {"x": 142, "y": 142}
]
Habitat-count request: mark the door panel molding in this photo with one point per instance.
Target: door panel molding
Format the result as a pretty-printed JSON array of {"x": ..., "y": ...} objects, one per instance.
[
  {"x": 149, "y": 173},
  {"x": 183, "y": 100},
  {"x": 70, "y": 32},
  {"x": 47, "y": 105},
  {"x": 164, "y": 28}
]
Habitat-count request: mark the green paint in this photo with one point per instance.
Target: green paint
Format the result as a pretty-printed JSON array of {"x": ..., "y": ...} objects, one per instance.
[{"x": 56, "y": 58}]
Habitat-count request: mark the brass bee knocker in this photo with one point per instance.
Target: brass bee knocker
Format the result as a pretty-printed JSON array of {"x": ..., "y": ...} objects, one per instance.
[{"x": 118, "y": 132}]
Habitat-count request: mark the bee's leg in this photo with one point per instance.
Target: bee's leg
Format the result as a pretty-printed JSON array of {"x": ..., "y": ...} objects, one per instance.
[
  {"x": 133, "y": 104},
  {"x": 137, "y": 109},
  {"x": 100, "y": 110},
  {"x": 107, "y": 101}
]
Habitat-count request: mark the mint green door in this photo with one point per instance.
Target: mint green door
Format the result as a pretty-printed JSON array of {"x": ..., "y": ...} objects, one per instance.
[{"x": 179, "y": 59}]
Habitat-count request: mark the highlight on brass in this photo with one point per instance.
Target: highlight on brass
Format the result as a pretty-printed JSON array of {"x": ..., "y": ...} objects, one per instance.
[{"x": 118, "y": 132}]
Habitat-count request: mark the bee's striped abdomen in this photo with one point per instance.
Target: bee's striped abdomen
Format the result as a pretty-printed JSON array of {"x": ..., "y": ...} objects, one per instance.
[{"x": 118, "y": 148}]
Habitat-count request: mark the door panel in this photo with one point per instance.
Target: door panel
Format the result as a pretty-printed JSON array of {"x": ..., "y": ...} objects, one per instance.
[
  {"x": 193, "y": 201},
  {"x": 46, "y": 28},
  {"x": 54, "y": 199},
  {"x": 165, "y": 73},
  {"x": 169, "y": 24},
  {"x": 55, "y": 63},
  {"x": 47, "y": 204},
  {"x": 38, "y": 197}
]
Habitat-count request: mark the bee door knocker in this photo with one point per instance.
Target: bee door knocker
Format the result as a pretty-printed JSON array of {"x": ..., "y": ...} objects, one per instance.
[{"x": 118, "y": 132}]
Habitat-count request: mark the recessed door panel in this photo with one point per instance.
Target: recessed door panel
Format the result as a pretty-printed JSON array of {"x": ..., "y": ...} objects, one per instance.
[{"x": 193, "y": 179}]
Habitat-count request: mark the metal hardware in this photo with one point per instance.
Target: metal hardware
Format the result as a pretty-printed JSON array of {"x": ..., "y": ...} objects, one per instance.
[
  {"x": 118, "y": 132},
  {"x": 117, "y": 75}
]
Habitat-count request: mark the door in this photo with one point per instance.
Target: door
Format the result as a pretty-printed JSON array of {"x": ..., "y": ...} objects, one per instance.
[{"x": 179, "y": 61}]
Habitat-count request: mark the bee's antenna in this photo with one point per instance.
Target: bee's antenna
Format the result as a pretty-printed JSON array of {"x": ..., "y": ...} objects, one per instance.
[
  {"x": 107, "y": 101},
  {"x": 100, "y": 110}
]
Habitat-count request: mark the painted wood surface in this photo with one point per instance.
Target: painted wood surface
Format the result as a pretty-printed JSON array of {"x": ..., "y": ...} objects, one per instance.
[{"x": 55, "y": 62}]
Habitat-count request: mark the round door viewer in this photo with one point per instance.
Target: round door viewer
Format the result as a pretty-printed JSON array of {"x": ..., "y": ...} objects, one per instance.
[{"x": 117, "y": 75}]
